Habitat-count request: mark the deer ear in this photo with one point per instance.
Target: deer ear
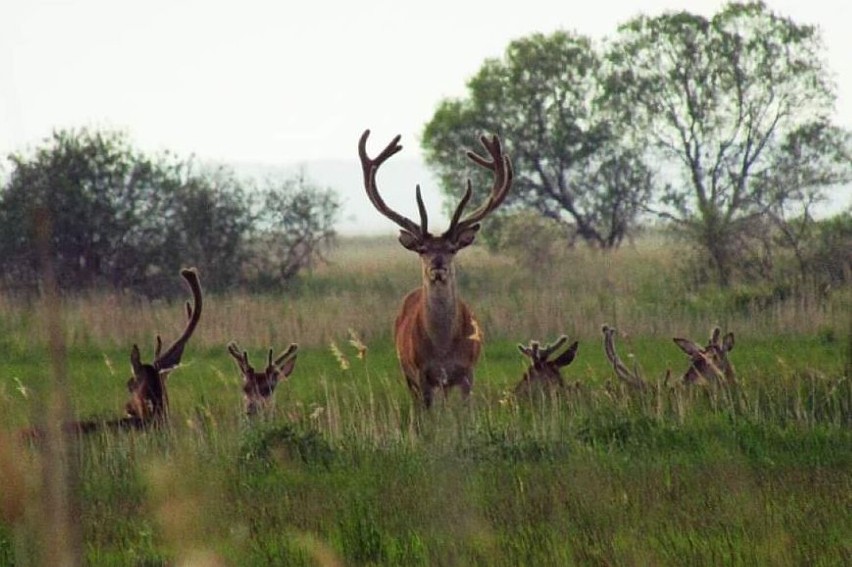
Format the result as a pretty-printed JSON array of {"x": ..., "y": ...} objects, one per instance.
[
  {"x": 688, "y": 346},
  {"x": 467, "y": 236},
  {"x": 409, "y": 241},
  {"x": 728, "y": 342},
  {"x": 135, "y": 360},
  {"x": 288, "y": 366},
  {"x": 567, "y": 357}
]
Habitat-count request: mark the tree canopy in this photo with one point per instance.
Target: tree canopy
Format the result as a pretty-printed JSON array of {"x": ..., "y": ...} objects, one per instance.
[
  {"x": 544, "y": 98},
  {"x": 721, "y": 126},
  {"x": 119, "y": 218},
  {"x": 738, "y": 104}
]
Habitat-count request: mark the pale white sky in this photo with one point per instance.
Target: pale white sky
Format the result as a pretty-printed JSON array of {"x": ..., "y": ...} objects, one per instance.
[{"x": 286, "y": 82}]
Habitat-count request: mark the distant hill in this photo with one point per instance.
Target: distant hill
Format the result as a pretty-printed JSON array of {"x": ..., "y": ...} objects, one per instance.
[{"x": 396, "y": 180}]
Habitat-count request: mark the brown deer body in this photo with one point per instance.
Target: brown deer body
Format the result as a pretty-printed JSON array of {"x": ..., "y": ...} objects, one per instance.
[
  {"x": 708, "y": 365},
  {"x": 438, "y": 340},
  {"x": 544, "y": 371},
  {"x": 258, "y": 387}
]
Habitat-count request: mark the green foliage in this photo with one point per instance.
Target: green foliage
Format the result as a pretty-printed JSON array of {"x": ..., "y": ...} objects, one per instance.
[
  {"x": 530, "y": 239},
  {"x": 830, "y": 252},
  {"x": 266, "y": 442},
  {"x": 107, "y": 215},
  {"x": 297, "y": 222},
  {"x": 543, "y": 99},
  {"x": 595, "y": 475},
  {"x": 738, "y": 104}
]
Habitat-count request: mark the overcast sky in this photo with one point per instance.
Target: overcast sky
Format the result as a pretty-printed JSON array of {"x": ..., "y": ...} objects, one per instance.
[{"x": 287, "y": 82}]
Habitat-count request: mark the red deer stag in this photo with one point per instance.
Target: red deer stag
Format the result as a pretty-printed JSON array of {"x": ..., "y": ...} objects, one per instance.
[
  {"x": 258, "y": 387},
  {"x": 149, "y": 401},
  {"x": 708, "y": 365},
  {"x": 438, "y": 341},
  {"x": 544, "y": 371}
]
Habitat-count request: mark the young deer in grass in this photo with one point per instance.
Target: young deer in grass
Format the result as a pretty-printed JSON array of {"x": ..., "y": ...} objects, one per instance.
[
  {"x": 544, "y": 371},
  {"x": 149, "y": 401},
  {"x": 438, "y": 341},
  {"x": 708, "y": 365},
  {"x": 258, "y": 387}
]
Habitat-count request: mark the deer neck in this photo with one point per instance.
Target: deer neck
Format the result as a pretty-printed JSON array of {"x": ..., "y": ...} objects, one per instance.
[{"x": 441, "y": 310}]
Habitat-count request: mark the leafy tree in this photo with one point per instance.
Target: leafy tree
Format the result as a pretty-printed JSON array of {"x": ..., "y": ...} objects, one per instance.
[
  {"x": 544, "y": 100},
  {"x": 103, "y": 200},
  {"x": 734, "y": 103},
  {"x": 295, "y": 226},
  {"x": 119, "y": 218},
  {"x": 211, "y": 223}
]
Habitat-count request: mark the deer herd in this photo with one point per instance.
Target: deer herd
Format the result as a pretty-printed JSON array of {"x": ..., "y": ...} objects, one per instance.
[{"x": 437, "y": 337}]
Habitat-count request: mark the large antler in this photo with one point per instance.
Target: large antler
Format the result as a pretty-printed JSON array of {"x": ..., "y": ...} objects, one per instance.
[
  {"x": 501, "y": 165},
  {"x": 369, "y": 167},
  {"x": 632, "y": 378},
  {"x": 171, "y": 358}
]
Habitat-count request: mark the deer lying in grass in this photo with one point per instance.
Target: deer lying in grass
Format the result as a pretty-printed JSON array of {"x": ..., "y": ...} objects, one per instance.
[
  {"x": 149, "y": 401},
  {"x": 438, "y": 341},
  {"x": 544, "y": 371},
  {"x": 258, "y": 387},
  {"x": 708, "y": 365}
]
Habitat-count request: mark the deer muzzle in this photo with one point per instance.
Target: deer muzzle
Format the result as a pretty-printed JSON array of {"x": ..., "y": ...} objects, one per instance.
[{"x": 439, "y": 274}]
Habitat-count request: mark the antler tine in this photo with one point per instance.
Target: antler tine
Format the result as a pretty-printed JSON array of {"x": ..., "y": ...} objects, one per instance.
[
  {"x": 714, "y": 336},
  {"x": 172, "y": 356},
  {"x": 240, "y": 356},
  {"x": 631, "y": 378},
  {"x": 234, "y": 350},
  {"x": 535, "y": 347},
  {"x": 292, "y": 349},
  {"x": 369, "y": 167},
  {"x": 501, "y": 165},
  {"x": 269, "y": 359},
  {"x": 550, "y": 349}
]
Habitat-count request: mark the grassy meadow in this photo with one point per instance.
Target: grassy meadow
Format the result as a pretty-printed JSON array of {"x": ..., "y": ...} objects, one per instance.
[{"x": 344, "y": 471}]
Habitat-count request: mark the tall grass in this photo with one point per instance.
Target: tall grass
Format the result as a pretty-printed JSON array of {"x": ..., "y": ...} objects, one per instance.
[
  {"x": 346, "y": 471},
  {"x": 638, "y": 289}
]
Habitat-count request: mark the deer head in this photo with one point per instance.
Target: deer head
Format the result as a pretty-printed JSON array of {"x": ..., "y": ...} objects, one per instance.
[
  {"x": 544, "y": 368},
  {"x": 709, "y": 364},
  {"x": 258, "y": 387},
  {"x": 437, "y": 252},
  {"x": 147, "y": 386},
  {"x": 437, "y": 339}
]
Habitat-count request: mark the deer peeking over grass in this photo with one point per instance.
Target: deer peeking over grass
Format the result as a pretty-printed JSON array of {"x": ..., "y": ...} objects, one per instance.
[
  {"x": 544, "y": 371},
  {"x": 438, "y": 341},
  {"x": 149, "y": 401},
  {"x": 258, "y": 387},
  {"x": 708, "y": 365}
]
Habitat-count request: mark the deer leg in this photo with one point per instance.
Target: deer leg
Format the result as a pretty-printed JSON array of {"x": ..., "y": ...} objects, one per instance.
[
  {"x": 427, "y": 395},
  {"x": 466, "y": 386}
]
